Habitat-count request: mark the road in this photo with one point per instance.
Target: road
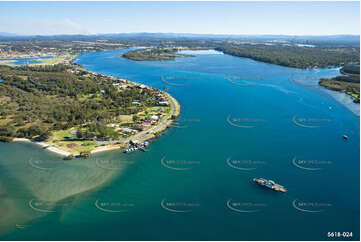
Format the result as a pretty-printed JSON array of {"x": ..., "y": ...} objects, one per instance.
[{"x": 160, "y": 126}]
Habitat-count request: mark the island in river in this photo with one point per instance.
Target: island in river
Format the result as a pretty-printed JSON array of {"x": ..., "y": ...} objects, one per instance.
[
  {"x": 75, "y": 112},
  {"x": 155, "y": 54}
]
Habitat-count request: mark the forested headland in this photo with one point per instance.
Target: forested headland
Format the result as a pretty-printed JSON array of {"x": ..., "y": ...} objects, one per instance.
[
  {"x": 294, "y": 56},
  {"x": 42, "y": 102},
  {"x": 349, "y": 82}
]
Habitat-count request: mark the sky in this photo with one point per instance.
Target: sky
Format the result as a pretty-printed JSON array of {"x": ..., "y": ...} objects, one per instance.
[{"x": 286, "y": 18}]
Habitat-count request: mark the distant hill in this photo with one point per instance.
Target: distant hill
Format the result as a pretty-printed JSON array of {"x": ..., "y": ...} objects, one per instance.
[
  {"x": 260, "y": 37},
  {"x": 7, "y": 34}
]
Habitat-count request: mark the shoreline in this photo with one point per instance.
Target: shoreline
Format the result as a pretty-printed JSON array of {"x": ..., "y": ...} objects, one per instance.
[
  {"x": 142, "y": 136},
  {"x": 45, "y": 146},
  {"x": 344, "y": 100},
  {"x": 149, "y": 134}
]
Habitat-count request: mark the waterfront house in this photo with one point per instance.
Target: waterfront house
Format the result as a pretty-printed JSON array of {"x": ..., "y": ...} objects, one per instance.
[
  {"x": 146, "y": 124},
  {"x": 163, "y": 103},
  {"x": 154, "y": 117},
  {"x": 128, "y": 130}
]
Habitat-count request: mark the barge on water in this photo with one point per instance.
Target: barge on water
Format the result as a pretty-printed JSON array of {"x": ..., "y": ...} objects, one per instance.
[{"x": 270, "y": 184}]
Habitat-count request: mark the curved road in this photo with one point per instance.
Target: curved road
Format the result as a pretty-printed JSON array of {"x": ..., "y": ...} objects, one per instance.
[{"x": 160, "y": 126}]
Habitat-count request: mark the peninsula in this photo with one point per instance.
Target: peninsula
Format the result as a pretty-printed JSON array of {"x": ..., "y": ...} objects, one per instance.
[
  {"x": 76, "y": 112},
  {"x": 349, "y": 82},
  {"x": 293, "y": 55}
]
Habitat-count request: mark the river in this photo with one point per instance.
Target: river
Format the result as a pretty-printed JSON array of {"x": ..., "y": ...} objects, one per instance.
[{"x": 239, "y": 119}]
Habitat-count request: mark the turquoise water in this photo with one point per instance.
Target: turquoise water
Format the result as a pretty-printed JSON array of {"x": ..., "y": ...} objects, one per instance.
[{"x": 184, "y": 188}]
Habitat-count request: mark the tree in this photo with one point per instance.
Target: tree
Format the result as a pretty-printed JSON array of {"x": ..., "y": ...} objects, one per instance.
[
  {"x": 135, "y": 118},
  {"x": 84, "y": 154},
  {"x": 8, "y": 130},
  {"x": 44, "y": 136},
  {"x": 79, "y": 134}
]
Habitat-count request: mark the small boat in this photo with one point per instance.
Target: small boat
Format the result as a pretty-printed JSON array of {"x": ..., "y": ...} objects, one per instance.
[
  {"x": 131, "y": 149},
  {"x": 345, "y": 137},
  {"x": 270, "y": 184},
  {"x": 128, "y": 150}
]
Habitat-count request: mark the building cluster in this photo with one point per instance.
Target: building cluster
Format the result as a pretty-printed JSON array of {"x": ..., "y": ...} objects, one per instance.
[
  {"x": 123, "y": 83},
  {"x": 13, "y": 54}
]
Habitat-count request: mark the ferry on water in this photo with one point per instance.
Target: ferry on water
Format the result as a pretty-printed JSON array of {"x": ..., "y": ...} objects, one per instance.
[{"x": 270, "y": 184}]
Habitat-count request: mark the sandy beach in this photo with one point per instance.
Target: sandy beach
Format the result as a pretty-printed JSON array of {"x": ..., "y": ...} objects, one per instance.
[
  {"x": 45, "y": 146},
  {"x": 105, "y": 148},
  {"x": 140, "y": 137}
]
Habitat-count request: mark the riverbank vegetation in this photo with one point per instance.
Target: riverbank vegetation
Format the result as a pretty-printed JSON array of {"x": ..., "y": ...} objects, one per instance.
[
  {"x": 74, "y": 109},
  {"x": 300, "y": 52},
  {"x": 294, "y": 56},
  {"x": 349, "y": 82},
  {"x": 154, "y": 54}
]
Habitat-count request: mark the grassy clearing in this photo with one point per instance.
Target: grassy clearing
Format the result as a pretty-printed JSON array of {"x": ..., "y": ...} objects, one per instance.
[
  {"x": 54, "y": 60},
  {"x": 125, "y": 119},
  {"x": 76, "y": 146}
]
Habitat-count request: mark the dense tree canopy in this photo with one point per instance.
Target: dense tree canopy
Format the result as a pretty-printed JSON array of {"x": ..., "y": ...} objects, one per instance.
[
  {"x": 35, "y": 100},
  {"x": 294, "y": 56}
]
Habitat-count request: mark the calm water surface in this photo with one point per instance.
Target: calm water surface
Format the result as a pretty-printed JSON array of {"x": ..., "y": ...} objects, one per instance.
[{"x": 195, "y": 183}]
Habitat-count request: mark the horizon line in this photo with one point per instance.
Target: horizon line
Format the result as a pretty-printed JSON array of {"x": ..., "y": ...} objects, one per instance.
[{"x": 176, "y": 33}]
